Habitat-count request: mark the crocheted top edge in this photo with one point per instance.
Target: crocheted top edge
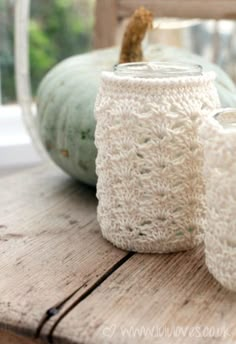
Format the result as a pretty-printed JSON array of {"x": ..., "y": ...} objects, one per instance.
[{"x": 110, "y": 78}]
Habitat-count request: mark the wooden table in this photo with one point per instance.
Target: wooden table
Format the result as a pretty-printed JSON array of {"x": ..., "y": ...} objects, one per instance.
[{"x": 61, "y": 282}]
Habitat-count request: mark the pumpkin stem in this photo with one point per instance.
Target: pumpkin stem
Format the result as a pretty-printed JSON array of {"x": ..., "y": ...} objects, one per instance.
[{"x": 138, "y": 25}]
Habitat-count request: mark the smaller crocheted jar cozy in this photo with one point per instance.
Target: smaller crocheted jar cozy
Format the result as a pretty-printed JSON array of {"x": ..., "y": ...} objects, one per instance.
[
  {"x": 220, "y": 176},
  {"x": 150, "y": 159}
]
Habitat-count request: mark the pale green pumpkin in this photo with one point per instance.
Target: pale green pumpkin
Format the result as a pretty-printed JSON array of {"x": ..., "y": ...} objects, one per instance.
[{"x": 66, "y": 98}]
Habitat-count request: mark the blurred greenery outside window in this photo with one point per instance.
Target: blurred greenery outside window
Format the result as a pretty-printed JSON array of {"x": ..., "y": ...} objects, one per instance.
[
  {"x": 57, "y": 29},
  {"x": 62, "y": 28}
]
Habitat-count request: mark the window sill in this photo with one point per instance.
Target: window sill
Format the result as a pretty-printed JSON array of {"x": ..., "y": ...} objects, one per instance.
[{"x": 16, "y": 149}]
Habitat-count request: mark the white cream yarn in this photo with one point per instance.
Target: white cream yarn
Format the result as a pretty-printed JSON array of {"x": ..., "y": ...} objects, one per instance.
[
  {"x": 150, "y": 159},
  {"x": 220, "y": 175}
]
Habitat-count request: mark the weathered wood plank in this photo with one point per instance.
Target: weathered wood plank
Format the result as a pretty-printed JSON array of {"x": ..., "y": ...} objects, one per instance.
[
  {"x": 157, "y": 293},
  {"x": 50, "y": 246},
  {"x": 212, "y": 9},
  {"x": 11, "y": 338}
]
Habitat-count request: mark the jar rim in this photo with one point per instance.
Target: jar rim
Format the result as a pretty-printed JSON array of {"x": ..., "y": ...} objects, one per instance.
[
  {"x": 226, "y": 118},
  {"x": 156, "y": 69}
]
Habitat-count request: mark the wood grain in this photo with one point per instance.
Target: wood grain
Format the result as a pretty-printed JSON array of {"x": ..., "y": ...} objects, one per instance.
[
  {"x": 50, "y": 247},
  {"x": 156, "y": 292},
  {"x": 54, "y": 262}
]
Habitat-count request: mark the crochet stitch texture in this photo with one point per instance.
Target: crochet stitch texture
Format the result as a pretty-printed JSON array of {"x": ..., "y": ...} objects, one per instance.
[
  {"x": 150, "y": 159},
  {"x": 220, "y": 175}
]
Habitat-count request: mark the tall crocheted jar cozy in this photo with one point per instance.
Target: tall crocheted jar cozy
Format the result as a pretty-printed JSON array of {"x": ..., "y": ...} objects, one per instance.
[
  {"x": 220, "y": 175},
  {"x": 149, "y": 164}
]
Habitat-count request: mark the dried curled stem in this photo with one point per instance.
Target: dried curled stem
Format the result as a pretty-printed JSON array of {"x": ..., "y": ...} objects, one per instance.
[{"x": 139, "y": 24}]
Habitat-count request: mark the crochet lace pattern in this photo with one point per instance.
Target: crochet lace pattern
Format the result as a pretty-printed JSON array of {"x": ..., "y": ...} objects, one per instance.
[
  {"x": 220, "y": 175},
  {"x": 150, "y": 159}
]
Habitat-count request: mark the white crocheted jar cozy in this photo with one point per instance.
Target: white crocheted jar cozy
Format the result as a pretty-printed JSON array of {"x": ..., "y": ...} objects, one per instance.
[
  {"x": 150, "y": 160},
  {"x": 220, "y": 176}
]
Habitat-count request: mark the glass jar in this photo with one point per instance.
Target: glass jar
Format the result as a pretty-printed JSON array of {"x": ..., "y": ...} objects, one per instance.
[
  {"x": 150, "y": 159},
  {"x": 157, "y": 69},
  {"x": 219, "y": 134}
]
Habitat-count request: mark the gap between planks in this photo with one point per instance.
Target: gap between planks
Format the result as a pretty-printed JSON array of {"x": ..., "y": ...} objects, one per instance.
[
  {"x": 152, "y": 293},
  {"x": 55, "y": 310},
  {"x": 50, "y": 255}
]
